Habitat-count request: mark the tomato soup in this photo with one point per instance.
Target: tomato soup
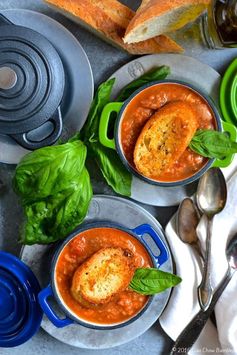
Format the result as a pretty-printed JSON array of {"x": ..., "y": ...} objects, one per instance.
[
  {"x": 123, "y": 305},
  {"x": 144, "y": 105}
]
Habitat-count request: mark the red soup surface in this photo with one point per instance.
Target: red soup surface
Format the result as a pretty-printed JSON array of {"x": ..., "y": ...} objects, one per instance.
[
  {"x": 124, "y": 304},
  {"x": 144, "y": 105}
]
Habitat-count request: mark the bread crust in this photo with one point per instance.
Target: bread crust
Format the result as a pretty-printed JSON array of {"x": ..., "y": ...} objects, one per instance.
[
  {"x": 109, "y": 19},
  {"x": 150, "y": 9},
  {"x": 106, "y": 273},
  {"x": 164, "y": 138}
]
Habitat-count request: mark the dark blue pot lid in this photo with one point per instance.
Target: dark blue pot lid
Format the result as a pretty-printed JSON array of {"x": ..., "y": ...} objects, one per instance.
[
  {"x": 20, "y": 313},
  {"x": 37, "y": 78}
]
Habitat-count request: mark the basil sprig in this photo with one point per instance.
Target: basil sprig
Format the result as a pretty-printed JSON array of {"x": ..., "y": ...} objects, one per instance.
[
  {"x": 212, "y": 144},
  {"x": 149, "y": 281},
  {"x": 55, "y": 191},
  {"x": 111, "y": 167}
]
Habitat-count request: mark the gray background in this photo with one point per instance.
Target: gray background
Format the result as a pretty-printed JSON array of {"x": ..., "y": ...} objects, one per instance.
[{"x": 104, "y": 60}]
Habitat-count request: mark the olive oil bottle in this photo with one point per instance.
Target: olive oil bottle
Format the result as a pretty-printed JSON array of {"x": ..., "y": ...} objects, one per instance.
[{"x": 219, "y": 24}]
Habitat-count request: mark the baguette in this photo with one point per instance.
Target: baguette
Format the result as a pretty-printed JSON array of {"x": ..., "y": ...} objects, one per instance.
[
  {"x": 103, "y": 275},
  {"x": 164, "y": 138},
  {"x": 155, "y": 17},
  {"x": 109, "y": 19}
]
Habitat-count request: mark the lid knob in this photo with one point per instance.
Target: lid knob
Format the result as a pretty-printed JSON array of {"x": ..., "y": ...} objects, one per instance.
[{"x": 8, "y": 78}]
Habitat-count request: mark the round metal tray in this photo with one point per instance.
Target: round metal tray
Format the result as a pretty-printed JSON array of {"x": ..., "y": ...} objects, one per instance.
[
  {"x": 38, "y": 258},
  {"x": 184, "y": 68}
]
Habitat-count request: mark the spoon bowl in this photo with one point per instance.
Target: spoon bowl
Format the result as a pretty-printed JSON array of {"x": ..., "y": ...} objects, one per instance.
[
  {"x": 187, "y": 220},
  {"x": 211, "y": 199},
  {"x": 211, "y": 192}
]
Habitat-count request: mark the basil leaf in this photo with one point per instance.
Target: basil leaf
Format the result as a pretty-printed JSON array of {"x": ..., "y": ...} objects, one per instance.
[
  {"x": 107, "y": 159},
  {"x": 55, "y": 190},
  {"x": 48, "y": 170},
  {"x": 212, "y": 144},
  {"x": 90, "y": 130},
  {"x": 112, "y": 169},
  {"x": 149, "y": 281},
  {"x": 156, "y": 74},
  {"x": 54, "y": 217}
]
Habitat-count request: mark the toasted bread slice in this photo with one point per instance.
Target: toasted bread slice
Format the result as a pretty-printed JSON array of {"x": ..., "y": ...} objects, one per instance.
[
  {"x": 103, "y": 275},
  {"x": 164, "y": 138}
]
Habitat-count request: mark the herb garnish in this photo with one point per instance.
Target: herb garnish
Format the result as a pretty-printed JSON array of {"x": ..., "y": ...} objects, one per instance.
[
  {"x": 149, "y": 281},
  {"x": 212, "y": 144}
]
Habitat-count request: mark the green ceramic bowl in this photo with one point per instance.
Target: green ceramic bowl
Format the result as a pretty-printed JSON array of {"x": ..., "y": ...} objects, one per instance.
[
  {"x": 114, "y": 142},
  {"x": 228, "y": 94}
]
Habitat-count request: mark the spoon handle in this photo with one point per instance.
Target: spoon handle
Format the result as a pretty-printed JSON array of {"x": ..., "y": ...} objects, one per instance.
[
  {"x": 205, "y": 290},
  {"x": 192, "y": 331}
]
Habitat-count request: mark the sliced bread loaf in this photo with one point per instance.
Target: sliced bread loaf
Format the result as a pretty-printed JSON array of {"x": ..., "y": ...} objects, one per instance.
[
  {"x": 155, "y": 17},
  {"x": 109, "y": 19}
]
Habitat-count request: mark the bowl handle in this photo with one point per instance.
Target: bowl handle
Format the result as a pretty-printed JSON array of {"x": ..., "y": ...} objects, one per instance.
[
  {"x": 223, "y": 163},
  {"x": 147, "y": 229},
  {"x": 104, "y": 123},
  {"x": 43, "y": 301},
  {"x": 25, "y": 142}
]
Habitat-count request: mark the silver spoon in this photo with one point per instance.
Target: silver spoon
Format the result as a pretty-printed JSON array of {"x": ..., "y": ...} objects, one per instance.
[
  {"x": 192, "y": 331},
  {"x": 211, "y": 199},
  {"x": 187, "y": 220}
]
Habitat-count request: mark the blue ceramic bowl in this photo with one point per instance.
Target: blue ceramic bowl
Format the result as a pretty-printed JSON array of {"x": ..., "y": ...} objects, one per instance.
[
  {"x": 52, "y": 291},
  {"x": 115, "y": 143}
]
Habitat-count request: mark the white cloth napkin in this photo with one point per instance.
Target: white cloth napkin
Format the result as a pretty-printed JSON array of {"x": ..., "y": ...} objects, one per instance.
[{"x": 183, "y": 304}]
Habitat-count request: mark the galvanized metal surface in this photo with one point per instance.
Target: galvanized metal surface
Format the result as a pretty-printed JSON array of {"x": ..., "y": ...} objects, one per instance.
[{"x": 104, "y": 60}]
